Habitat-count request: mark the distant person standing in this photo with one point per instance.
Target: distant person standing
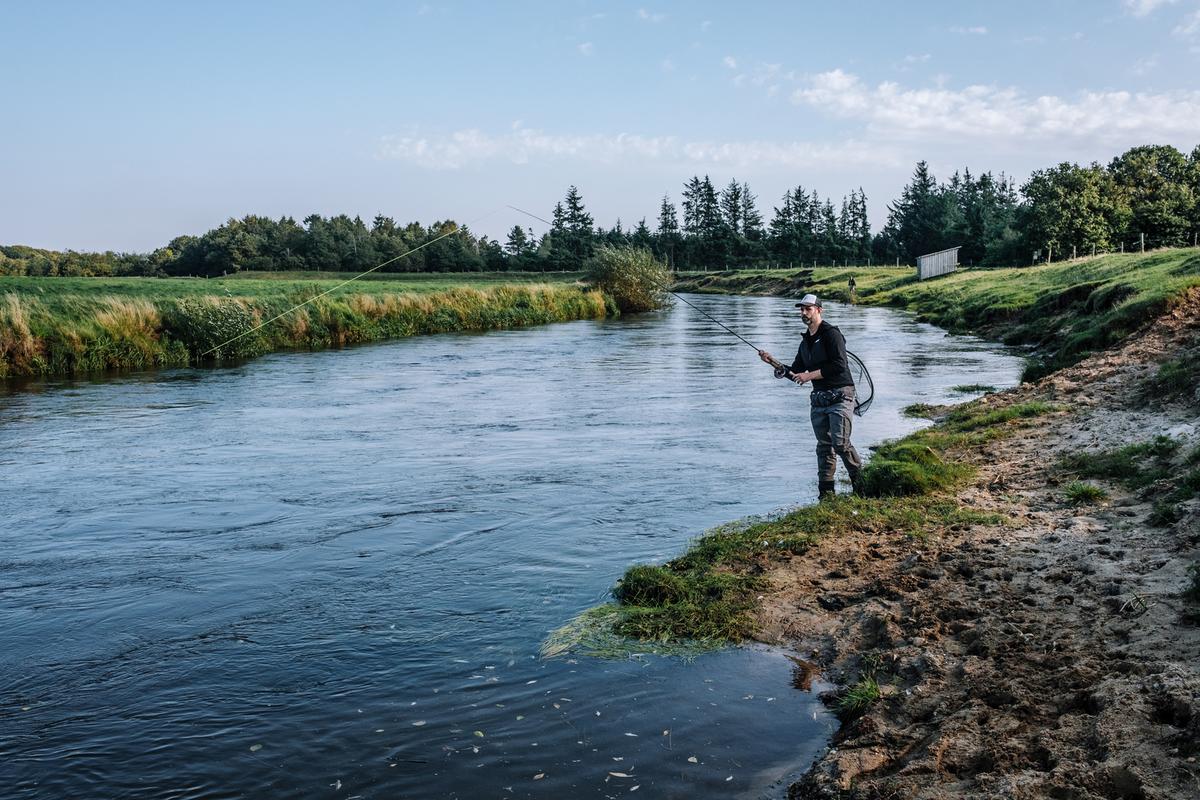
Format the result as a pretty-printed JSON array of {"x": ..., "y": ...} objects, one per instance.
[
  {"x": 821, "y": 359},
  {"x": 851, "y": 285}
]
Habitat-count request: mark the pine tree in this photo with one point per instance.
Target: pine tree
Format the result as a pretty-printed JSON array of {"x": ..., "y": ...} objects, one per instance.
[
  {"x": 668, "y": 231},
  {"x": 731, "y": 207},
  {"x": 752, "y": 221}
]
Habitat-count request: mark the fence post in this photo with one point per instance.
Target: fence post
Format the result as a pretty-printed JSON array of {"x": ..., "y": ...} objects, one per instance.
[
  {"x": 1143, "y": 242},
  {"x": 1093, "y": 251},
  {"x": 1072, "y": 252},
  {"x": 1122, "y": 247}
]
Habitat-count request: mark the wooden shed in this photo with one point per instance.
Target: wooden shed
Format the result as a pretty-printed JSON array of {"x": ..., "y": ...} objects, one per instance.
[{"x": 939, "y": 263}]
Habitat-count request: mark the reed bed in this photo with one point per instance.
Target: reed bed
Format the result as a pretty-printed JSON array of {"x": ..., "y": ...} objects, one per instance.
[{"x": 57, "y": 327}]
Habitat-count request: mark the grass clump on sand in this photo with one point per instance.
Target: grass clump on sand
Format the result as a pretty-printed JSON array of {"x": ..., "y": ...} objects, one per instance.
[
  {"x": 1079, "y": 493},
  {"x": 973, "y": 388},
  {"x": 858, "y": 697},
  {"x": 1154, "y": 467},
  {"x": 632, "y": 276},
  {"x": 1178, "y": 377},
  {"x": 1135, "y": 466}
]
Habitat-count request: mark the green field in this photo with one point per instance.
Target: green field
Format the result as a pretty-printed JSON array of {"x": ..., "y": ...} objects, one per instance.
[
  {"x": 1062, "y": 310},
  {"x": 67, "y": 326}
]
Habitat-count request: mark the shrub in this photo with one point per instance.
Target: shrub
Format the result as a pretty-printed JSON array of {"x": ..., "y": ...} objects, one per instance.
[
  {"x": 221, "y": 325},
  {"x": 631, "y": 276}
]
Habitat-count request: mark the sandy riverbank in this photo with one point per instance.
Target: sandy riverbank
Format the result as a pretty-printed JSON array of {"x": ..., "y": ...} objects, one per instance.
[{"x": 1050, "y": 656}]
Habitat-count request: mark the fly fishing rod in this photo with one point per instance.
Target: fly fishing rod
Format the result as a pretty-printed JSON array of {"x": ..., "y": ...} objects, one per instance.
[{"x": 858, "y": 370}]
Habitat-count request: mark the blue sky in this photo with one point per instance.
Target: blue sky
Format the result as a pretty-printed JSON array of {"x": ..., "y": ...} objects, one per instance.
[{"x": 126, "y": 124}]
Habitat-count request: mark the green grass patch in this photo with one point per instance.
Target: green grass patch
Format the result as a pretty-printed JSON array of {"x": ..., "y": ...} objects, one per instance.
[
  {"x": 858, "y": 697},
  {"x": 1079, "y": 493},
  {"x": 972, "y": 417},
  {"x": 919, "y": 411},
  {"x": 973, "y": 388},
  {"x": 921, "y": 462},
  {"x": 1176, "y": 378},
  {"x": 708, "y": 594},
  {"x": 1134, "y": 466}
]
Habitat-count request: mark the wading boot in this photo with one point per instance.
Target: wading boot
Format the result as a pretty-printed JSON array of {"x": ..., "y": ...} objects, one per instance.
[
  {"x": 825, "y": 490},
  {"x": 856, "y": 482}
]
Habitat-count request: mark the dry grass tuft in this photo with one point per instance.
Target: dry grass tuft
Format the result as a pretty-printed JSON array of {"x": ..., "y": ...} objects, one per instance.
[
  {"x": 19, "y": 348},
  {"x": 129, "y": 318}
]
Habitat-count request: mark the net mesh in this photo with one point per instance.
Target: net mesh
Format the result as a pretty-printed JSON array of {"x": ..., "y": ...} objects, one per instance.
[{"x": 864, "y": 388}]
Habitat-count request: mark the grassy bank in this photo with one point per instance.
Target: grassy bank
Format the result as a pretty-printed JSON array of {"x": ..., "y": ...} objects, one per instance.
[
  {"x": 1063, "y": 311},
  {"x": 708, "y": 594},
  {"x": 69, "y": 326}
]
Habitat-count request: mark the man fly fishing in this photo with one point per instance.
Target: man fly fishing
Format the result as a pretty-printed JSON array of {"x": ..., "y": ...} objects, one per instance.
[{"x": 822, "y": 361}]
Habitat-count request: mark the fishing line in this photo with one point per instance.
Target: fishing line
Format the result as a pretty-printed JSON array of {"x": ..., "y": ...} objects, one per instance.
[
  {"x": 854, "y": 362},
  {"x": 660, "y": 286},
  {"x": 453, "y": 230}
]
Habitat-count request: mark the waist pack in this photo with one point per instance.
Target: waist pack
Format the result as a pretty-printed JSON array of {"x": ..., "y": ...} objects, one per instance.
[{"x": 828, "y": 397}]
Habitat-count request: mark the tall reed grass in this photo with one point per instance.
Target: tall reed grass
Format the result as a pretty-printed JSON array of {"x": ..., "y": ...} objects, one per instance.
[{"x": 83, "y": 332}]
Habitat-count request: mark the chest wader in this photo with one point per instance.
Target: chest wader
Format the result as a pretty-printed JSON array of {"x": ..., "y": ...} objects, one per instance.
[{"x": 831, "y": 414}]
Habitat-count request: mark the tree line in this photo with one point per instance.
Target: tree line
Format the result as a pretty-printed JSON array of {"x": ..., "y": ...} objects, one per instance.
[{"x": 1148, "y": 196}]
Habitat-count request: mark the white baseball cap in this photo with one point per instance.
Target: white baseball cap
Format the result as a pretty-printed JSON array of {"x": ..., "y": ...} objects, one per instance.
[{"x": 809, "y": 300}]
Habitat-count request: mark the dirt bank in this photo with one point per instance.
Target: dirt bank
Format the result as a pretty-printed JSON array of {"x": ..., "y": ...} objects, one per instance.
[{"x": 1050, "y": 656}]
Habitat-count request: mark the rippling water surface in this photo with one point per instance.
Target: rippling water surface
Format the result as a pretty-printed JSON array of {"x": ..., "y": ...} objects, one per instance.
[{"x": 328, "y": 574}]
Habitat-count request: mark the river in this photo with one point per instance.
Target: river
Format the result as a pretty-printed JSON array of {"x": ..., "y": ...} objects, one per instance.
[{"x": 328, "y": 574}]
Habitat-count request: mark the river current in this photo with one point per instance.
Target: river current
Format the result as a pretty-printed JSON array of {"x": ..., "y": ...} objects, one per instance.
[{"x": 328, "y": 574}]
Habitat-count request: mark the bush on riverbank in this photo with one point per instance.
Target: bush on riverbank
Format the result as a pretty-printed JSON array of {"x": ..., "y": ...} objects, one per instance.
[
  {"x": 65, "y": 333},
  {"x": 632, "y": 277}
]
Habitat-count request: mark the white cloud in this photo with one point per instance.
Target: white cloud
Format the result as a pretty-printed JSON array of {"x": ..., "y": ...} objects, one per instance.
[
  {"x": 667, "y": 65},
  {"x": 586, "y": 49},
  {"x": 921, "y": 59},
  {"x": 997, "y": 113},
  {"x": 730, "y": 62},
  {"x": 976, "y": 30},
  {"x": 523, "y": 145},
  {"x": 1190, "y": 26},
  {"x": 650, "y": 16},
  {"x": 706, "y": 24},
  {"x": 1141, "y": 8}
]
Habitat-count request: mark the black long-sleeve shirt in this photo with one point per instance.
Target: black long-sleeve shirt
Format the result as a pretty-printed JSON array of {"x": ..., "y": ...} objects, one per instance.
[{"x": 824, "y": 350}]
